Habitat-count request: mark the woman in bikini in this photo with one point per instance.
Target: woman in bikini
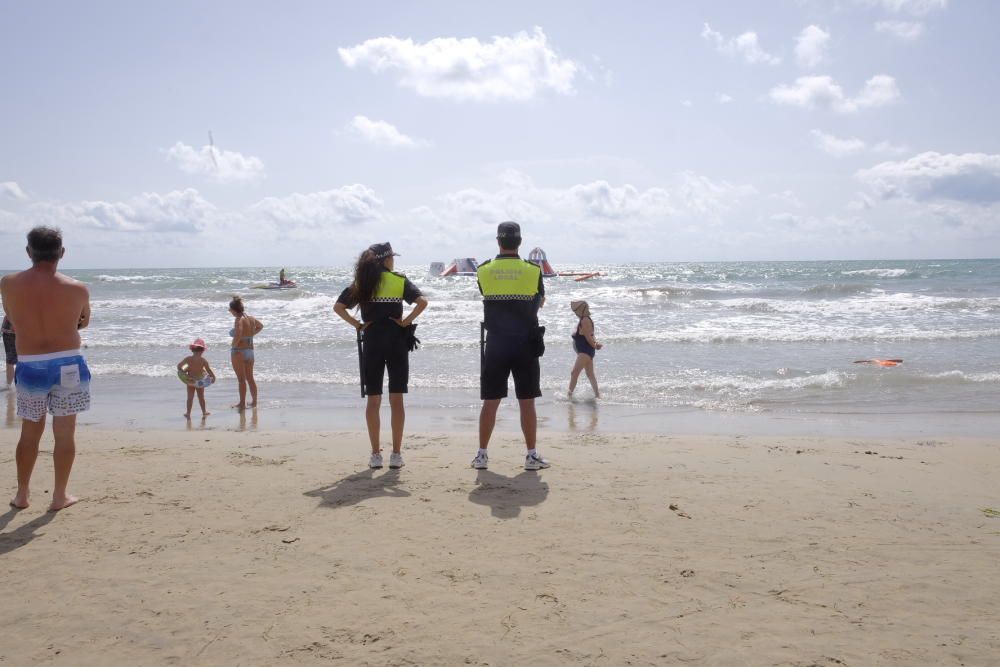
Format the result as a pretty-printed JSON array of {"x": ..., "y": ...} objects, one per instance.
[
  {"x": 586, "y": 346},
  {"x": 241, "y": 351}
]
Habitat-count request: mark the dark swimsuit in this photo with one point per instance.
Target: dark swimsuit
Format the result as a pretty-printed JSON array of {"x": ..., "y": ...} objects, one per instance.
[{"x": 580, "y": 343}]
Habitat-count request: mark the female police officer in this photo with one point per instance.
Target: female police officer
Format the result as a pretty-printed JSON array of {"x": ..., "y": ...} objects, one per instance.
[{"x": 379, "y": 292}]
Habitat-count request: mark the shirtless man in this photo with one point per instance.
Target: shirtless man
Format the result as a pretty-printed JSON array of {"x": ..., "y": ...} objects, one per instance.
[{"x": 48, "y": 309}]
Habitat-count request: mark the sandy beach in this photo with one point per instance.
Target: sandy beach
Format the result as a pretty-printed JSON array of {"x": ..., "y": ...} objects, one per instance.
[{"x": 228, "y": 548}]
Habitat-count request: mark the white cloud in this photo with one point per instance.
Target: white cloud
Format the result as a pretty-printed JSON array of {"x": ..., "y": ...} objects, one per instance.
[
  {"x": 8, "y": 222},
  {"x": 601, "y": 200},
  {"x": 514, "y": 68},
  {"x": 723, "y": 98},
  {"x": 701, "y": 196},
  {"x": 786, "y": 197},
  {"x": 350, "y": 205},
  {"x": 972, "y": 178},
  {"x": 810, "y": 46},
  {"x": 575, "y": 217},
  {"x": 600, "y": 205},
  {"x": 853, "y": 146},
  {"x": 687, "y": 103},
  {"x": 602, "y": 72},
  {"x": 184, "y": 213},
  {"x": 827, "y": 227},
  {"x": 381, "y": 133},
  {"x": 861, "y": 203},
  {"x": 836, "y": 146},
  {"x": 886, "y": 148},
  {"x": 12, "y": 190},
  {"x": 745, "y": 45},
  {"x": 811, "y": 92},
  {"x": 176, "y": 211},
  {"x": 220, "y": 165},
  {"x": 912, "y": 7},
  {"x": 907, "y": 31}
]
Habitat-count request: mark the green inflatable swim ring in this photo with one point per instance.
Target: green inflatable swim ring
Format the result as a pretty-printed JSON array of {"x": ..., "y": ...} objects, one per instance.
[{"x": 199, "y": 384}]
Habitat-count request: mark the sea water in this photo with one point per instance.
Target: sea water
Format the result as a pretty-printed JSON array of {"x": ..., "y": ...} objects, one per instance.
[{"x": 766, "y": 338}]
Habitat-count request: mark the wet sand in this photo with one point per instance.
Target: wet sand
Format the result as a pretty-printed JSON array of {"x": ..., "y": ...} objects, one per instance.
[
  {"x": 134, "y": 404},
  {"x": 264, "y": 548}
]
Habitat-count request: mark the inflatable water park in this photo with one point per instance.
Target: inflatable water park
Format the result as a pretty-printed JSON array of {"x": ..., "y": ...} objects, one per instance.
[
  {"x": 462, "y": 266},
  {"x": 466, "y": 266}
]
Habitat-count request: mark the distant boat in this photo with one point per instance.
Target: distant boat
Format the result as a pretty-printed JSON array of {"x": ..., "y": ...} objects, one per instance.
[{"x": 291, "y": 284}]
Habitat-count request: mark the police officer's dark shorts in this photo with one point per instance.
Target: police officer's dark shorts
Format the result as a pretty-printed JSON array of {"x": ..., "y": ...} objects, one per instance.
[
  {"x": 386, "y": 348},
  {"x": 8, "y": 347},
  {"x": 507, "y": 356}
]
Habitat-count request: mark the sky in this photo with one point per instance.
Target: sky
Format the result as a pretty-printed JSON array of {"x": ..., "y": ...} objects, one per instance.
[{"x": 175, "y": 134}]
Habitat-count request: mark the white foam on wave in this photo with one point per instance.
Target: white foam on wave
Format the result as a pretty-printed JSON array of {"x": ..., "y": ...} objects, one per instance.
[
  {"x": 153, "y": 304},
  {"x": 876, "y": 305},
  {"x": 836, "y": 289},
  {"x": 957, "y": 376},
  {"x": 878, "y": 273},
  {"x": 124, "y": 278},
  {"x": 729, "y": 330},
  {"x": 139, "y": 370}
]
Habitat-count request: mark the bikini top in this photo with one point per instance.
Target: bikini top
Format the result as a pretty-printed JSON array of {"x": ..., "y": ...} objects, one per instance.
[{"x": 232, "y": 332}]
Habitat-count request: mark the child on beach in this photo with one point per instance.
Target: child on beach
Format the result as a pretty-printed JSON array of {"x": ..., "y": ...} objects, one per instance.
[{"x": 195, "y": 370}]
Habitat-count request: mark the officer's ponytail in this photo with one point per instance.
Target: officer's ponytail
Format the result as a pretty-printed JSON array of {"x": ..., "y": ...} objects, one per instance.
[{"x": 367, "y": 274}]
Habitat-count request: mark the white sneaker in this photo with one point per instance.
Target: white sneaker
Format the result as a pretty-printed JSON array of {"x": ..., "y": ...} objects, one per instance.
[
  {"x": 396, "y": 460},
  {"x": 375, "y": 461},
  {"x": 535, "y": 462},
  {"x": 481, "y": 462}
]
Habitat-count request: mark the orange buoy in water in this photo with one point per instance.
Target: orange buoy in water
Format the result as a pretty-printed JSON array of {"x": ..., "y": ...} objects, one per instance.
[{"x": 880, "y": 362}]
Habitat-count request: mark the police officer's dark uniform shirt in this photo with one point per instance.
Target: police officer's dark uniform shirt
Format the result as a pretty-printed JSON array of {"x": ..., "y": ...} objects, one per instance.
[
  {"x": 386, "y": 345},
  {"x": 375, "y": 311},
  {"x": 512, "y": 317}
]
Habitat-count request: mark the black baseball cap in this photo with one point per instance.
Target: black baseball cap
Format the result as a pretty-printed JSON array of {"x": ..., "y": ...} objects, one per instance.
[
  {"x": 383, "y": 250},
  {"x": 506, "y": 230}
]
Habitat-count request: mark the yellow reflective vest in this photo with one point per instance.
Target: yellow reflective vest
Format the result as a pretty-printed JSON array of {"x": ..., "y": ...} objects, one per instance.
[
  {"x": 508, "y": 279},
  {"x": 390, "y": 288}
]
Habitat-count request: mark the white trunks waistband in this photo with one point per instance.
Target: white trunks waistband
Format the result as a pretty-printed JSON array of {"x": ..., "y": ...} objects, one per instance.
[{"x": 49, "y": 356}]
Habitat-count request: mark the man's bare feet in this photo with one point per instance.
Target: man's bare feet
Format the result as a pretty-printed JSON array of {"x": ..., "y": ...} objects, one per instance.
[
  {"x": 187, "y": 415},
  {"x": 205, "y": 414},
  {"x": 20, "y": 502},
  {"x": 239, "y": 407},
  {"x": 63, "y": 504}
]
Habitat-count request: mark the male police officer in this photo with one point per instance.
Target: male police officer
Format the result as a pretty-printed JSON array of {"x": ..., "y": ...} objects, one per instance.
[{"x": 512, "y": 294}]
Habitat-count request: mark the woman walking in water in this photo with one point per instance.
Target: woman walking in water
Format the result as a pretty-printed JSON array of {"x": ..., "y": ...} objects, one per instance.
[
  {"x": 387, "y": 339},
  {"x": 241, "y": 351},
  {"x": 586, "y": 346}
]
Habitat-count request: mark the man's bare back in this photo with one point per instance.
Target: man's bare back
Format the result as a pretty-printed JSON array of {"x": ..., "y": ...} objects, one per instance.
[{"x": 47, "y": 308}]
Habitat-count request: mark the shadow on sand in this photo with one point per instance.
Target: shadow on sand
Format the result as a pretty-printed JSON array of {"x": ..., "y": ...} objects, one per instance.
[
  {"x": 505, "y": 496},
  {"x": 359, "y": 487},
  {"x": 23, "y": 534}
]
